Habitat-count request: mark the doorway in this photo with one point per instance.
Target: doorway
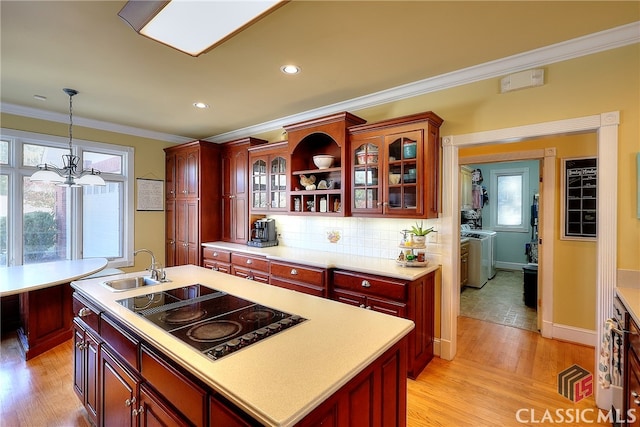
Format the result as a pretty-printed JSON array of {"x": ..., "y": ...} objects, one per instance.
[
  {"x": 500, "y": 207},
  {"x": 605, "y": 126}
]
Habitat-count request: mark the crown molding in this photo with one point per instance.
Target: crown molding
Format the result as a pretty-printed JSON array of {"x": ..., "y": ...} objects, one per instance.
[
  {"x": 570, "y": 49},
  {"x": 36, "y": 113}
]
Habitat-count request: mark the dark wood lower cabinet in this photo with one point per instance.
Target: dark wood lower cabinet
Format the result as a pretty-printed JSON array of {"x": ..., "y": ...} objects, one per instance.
[
  {"x": 154, "y": 411},
  {"x": 118, "y": 392},
  {"x": 85, "y": 370}
]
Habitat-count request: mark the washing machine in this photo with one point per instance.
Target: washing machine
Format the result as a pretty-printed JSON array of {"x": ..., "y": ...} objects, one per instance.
[{"x": 490, "y": 260}]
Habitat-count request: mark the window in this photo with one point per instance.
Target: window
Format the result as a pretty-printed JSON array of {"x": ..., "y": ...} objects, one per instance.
[
  {"x": 511, "y": 189},
  {"x": 42, "y": 222}
]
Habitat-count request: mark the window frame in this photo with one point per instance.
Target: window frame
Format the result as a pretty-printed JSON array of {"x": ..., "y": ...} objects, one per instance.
[
  {"x": 523, "y": 172},
  {"x": 17, "y": 172}
]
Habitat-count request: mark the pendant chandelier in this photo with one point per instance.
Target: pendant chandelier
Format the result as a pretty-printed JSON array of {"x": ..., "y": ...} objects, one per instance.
[{"x": 68, "y": 175}]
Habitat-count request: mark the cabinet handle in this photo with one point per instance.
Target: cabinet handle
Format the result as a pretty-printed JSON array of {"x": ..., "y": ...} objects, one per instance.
[
  {"x": 249, "y": 261},
  {"x": 379, "y": 204},
  {"x": 249, "y": 277},
  {"x": 366, "y": 284},
  {"x": 215, "y": 254},
  {"x": 385, "y": 204},
  {"x": 84, "y": 312},
  {"x": 368, "y": 307},
  {"x": 171, "y": 242},
  {"x": 80, "y": 345},
  {"x": 215, "y": 268},
  {"x": 130, "y": 402},
  {"x": 362, "y": 306},
  {"x": 232, "y": 196},
  {"x": 294, "y": 272},
  {"x": 637, "y": 402},
  {"x": 634, "y": 394},
  {"x": 138, "y": 411}
]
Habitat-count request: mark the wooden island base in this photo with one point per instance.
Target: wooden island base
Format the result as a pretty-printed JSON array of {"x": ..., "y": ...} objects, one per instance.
[{"x": 46, "y": 316}]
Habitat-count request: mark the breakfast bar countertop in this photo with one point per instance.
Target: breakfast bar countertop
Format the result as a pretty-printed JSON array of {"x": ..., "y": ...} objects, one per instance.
[
  {"x": 321, "y": 259},
  {"x": 31, "y": 277}
]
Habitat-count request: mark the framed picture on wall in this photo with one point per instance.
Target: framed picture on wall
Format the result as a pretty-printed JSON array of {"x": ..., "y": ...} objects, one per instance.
[
  {"x": 150, "y": 195},
  {"x": 579, "y": 198}
]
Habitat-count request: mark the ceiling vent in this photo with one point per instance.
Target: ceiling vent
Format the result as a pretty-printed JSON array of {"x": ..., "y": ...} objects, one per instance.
[{"x": 522, "y": 80}]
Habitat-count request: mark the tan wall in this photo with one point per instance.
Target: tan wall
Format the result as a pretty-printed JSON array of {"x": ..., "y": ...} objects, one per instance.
[{"x": 149, "y": 163}]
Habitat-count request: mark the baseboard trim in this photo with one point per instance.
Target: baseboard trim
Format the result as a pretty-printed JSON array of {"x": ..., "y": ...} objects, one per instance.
[
  {"x": 574, "y": 335},
  {"x": 509, "y": 265}
]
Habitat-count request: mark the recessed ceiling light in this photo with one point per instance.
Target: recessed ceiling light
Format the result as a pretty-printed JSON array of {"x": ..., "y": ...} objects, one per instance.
[
  {"x": 40, "y": 97},
  {"x": 290, "y": 69},
  {"x": 200, "y": 105}
]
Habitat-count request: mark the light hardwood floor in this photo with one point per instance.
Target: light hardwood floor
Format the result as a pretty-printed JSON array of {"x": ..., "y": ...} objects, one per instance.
[{"x": 498, "y": 371}]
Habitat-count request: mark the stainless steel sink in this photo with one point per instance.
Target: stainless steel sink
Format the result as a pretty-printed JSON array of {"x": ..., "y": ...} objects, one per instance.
[{"x": 118, "y": 285}]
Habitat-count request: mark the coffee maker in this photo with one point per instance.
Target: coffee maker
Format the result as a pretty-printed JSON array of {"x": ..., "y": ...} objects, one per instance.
[{"x": 263, "y": 233}]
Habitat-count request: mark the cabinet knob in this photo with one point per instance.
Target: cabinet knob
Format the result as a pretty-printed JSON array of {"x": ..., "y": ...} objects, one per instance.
[
  {"x": 362, "y": 306},
  {"x": 130, "y": 402},
  {"x": 215, "y": 254},
  {"x": 249, "y": 261},
  {"x": 634, "y": 394},
  {"x": 84, "y": 312},
  {"x": 366, "y": 284},
  {"x": 368, "y": 307},
  {"x": 214, "y": 268},
  {"x": 379, "y": 204},
  {"x": 294, "y": 272},
  {"x": 138, "y": 411},
  {"x": 249, "y": 277},
  {"x": 385, "y": 204},
  {"x": 80, "y": 345},
  {"x": 232, "y": 196}
]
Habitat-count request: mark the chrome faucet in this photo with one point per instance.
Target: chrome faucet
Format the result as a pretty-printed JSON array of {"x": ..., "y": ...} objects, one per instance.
[{"x": 156, "y": 273}]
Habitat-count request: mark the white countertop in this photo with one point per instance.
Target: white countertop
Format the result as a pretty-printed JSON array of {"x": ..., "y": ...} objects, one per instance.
[
  {"x": 362, "y": 264},
  {"x": 630, "y": 297},
  {"x": 281, "y": 379},
  {"x": 30, "y": 277}
]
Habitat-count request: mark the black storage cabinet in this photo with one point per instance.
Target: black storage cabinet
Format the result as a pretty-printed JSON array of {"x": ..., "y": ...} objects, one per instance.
[{"x": 530, "y": 285}]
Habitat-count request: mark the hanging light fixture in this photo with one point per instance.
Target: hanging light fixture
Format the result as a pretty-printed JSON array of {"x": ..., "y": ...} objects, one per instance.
[{"x": 68, "y": 175}]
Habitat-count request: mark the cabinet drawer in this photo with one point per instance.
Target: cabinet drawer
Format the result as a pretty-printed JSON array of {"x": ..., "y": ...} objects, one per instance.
[
  {"x": 222, "y": 267},
  {"x": 370, "y": 285},
  {"x": 216, "y": 254},
  {"x": 176, "y": 388},
  {"x": 634, "y": 336},
  {"x": 305, "y": 288},
  {"x": 251, "y": 262},
  {"x": 83, "y": 310},
  {"x": 464, "y": 248},
  {"x": 250, "y": 274},
  {"x": 121, "y": 342},
  {"x": 298, "y": 273}
]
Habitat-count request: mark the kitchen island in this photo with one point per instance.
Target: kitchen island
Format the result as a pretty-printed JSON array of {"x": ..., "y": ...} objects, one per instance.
[{"x": 340, "y": 363}]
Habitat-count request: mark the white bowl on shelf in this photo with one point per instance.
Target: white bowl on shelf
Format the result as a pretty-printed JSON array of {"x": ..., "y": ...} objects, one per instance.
[{"x": 323, "y": 161}]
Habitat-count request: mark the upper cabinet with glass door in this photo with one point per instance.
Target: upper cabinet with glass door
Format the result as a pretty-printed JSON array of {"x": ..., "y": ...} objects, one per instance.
[
  {"x": 268, "y": 177},
  {"x": 396, "y": 167}
]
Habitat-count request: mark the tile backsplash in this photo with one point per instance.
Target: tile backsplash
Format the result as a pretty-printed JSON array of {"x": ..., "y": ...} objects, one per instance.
[{"x": 372, "y": 237}]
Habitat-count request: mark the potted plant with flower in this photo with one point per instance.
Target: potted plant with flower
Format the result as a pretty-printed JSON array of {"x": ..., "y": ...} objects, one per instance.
[{"x": 420, "y": 234}]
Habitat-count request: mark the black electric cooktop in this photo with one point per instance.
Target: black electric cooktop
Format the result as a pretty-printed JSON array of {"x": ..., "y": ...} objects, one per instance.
[{"x": 212, "y": 321}]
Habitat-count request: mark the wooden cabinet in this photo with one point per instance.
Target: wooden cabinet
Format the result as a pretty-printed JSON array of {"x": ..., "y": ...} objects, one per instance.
[
  {"x": 235, "y": 192},
  {"x": 118, "y": 392},
  {"x": 193, "y": 200},
  {"x": 153, "y": 410},
  {"x": 632, "y": 374},
  {"x": 268, "y": 176},
  {"x": 413, "y": 300},
  {"x": 85, "y": 368},
  {"x": 250, "y": 267},
  {"x": 464, "y": 264},
  {"x": 186, "y": 396},
  {"x": 301, "y": 278},
  {"x": 325, "y": 135},
  {"x": 377, "y": 396},
  {"x": 216, "y": 259},
  {"x": 395, "y": 167}
]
